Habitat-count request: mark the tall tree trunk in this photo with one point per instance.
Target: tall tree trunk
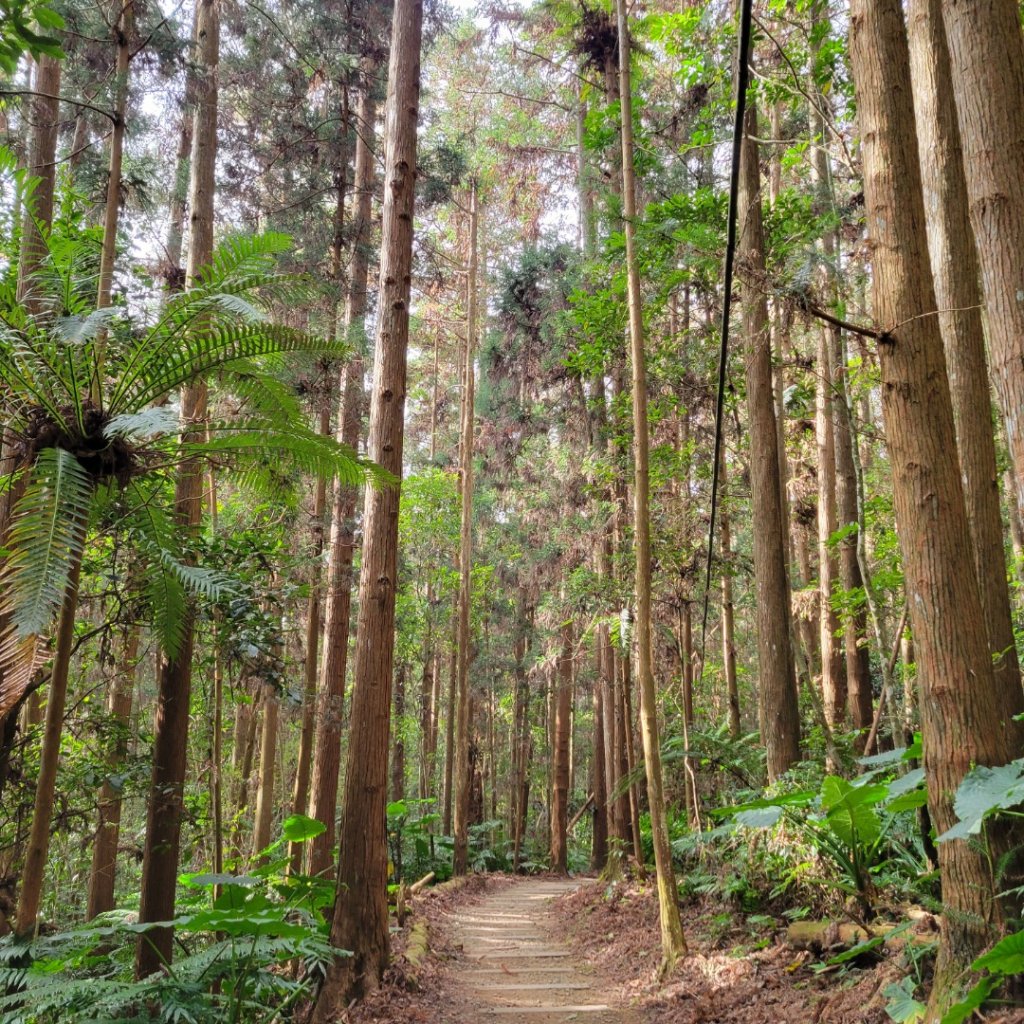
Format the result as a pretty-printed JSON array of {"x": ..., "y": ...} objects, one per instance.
[
  {"x": 833, "y": 654},
  {"x": 732, "y": 691},
  {"x": 264, "y": 815},
  {"x": 673, "y": 944},
  {"x": 311, "y": 651},
  {"x": 855, "y": 626},
  {"x": 173, "y": 273},
  {"x": 961, "y": 707},
  {"x": 124, "y": 24},
  {"x": 598, "y": 779},
  {"x": 42, "y": 165},
  {"x": 108, "y": 831},
  {"x": 986, "y": 52},
  {"x": 463, "y": 724},
  {"x": 360, "y": 922},
  {"x": 561, "y": 774},
  {"x": 170, "y": 741},
  {"x": 46, "y": 783},
  {"x": 955, "y": 273},
  {"x": 449, "y": 723},
  {"x": 779, "y": 713},
  {"x": 338, "y": 605}
]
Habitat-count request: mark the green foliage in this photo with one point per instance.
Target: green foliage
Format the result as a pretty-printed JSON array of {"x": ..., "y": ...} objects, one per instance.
[
  {"x": 80, "y": 387},
  {"x": 851, "y": 824},
  {"x": 985, "y": 791},
  {"x": 239, "y": 933},
  {"x": 902, "y": 1007},
  {"x": 28, "y": 26},
  {"x": 1004, "y": 961}
]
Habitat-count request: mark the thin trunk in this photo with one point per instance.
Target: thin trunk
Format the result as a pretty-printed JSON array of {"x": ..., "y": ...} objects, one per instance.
[
  {"x": 855, "y": 626},
  {"x": 634, "y": 788},
  {"x": 560, "y": 751},
  {"x": 123, "y": 27},
  {"x": 311, "y": 651},
  {"x": 338, "y": 603},
  {"x": 449, "y": 723},
  {"x": 174, "y": 274},
  {"x": 728, "y": 609},
  {"x": 779, "y": 712},
  {"x": 104, "y": 851},
  {"x": 462, "y": 738},
  {"x": 398, "y": 741},
  {"x": 170, "y": 743},
  {"x": 961, "y": 707},
  {"x": 46, "y": 782},
  {"x": 672, "y": 942},
  {"x": 598, "y": 780},
  {"x": 268, "y": 756},
  {"x": 42, "y": 165},
  {"x": 360, "y": 921}
]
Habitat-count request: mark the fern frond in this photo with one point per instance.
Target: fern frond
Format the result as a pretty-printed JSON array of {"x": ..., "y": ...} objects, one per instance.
[
  {"x": 289, "y": 445},
  {"x": 169, "y": 578},
  {"x": 44, "y": 541},
  {"x": 241, "y": 255},
  {"x": 261, "y": 395},
  {"x": 149, "y": 422},
  {"x": 45, "y": 537},
  {"x": 210, "y": 347}
]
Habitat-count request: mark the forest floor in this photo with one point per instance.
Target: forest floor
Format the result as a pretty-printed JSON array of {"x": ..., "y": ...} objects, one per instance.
[{"x": 555, "y": 951}]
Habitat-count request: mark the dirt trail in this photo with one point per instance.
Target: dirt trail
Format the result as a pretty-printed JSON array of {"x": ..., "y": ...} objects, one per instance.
[{"x": 513, "y": 971}]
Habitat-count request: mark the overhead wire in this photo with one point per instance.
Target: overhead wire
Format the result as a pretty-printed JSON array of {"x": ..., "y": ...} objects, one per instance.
[{"x": 742, "y": 81}]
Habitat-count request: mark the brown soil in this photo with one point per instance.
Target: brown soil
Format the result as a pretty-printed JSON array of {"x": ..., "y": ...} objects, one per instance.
[
  {"x": 725, "y": 979},
  {"x": 497, "y": 925}
]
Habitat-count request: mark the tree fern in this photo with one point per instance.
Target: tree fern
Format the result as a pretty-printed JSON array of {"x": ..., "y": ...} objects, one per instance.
[{"x": 44, "y": 540}]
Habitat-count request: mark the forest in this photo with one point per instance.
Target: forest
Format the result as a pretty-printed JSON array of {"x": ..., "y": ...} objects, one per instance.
[{"x": 524, "y": 482}]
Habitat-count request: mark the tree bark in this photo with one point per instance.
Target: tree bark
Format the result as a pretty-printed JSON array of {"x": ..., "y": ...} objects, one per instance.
[
  {"x": 957, "y": 291},
  {"x": 673, "y": 944},
  {"x": 986, "y": 52},
  {"x": 560, "y": 752},
  {"x": 46, "y": 783},
  {"x": 360, "y": 922},
  {"x": 311, "y": 651},
  {"x": 728, "y": 608},
  {"x": 263, "y": 819},
  {"x": 338, "y": 605},
  {"x": 170, "y": 742},
  {"x": 398, "y": 742},
  {"x": 42, "y": 165},
  {"x": 124, "y": 25},
  {"x": 462, "y": 724},
  {"x": 779, "y": 713},
  {"x": 104, "y": 851},
  {"x": 960, "y": 704}
]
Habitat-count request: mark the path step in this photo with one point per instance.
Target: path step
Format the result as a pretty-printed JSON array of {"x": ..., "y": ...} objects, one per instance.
[
  {"x": 548, "y": 986},
  {"x": 516, "y": 971},
  {"x": 582, "y": 1008},
  {"x": 499, "y": 955}
]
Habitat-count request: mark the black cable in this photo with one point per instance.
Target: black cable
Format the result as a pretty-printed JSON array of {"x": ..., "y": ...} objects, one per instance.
[{"x": 742, "y": 78}]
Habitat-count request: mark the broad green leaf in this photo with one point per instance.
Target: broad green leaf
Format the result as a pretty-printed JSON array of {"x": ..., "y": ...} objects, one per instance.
[
  {"x": 1005, "y": 957},
  {"x": 902, "y": 1006},
  {"x": 759, "y": 817},
  {"x": 298, "y": 828},
  {"x": 974, "y": 1000},
  {"x": 982, "y": 791}
]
